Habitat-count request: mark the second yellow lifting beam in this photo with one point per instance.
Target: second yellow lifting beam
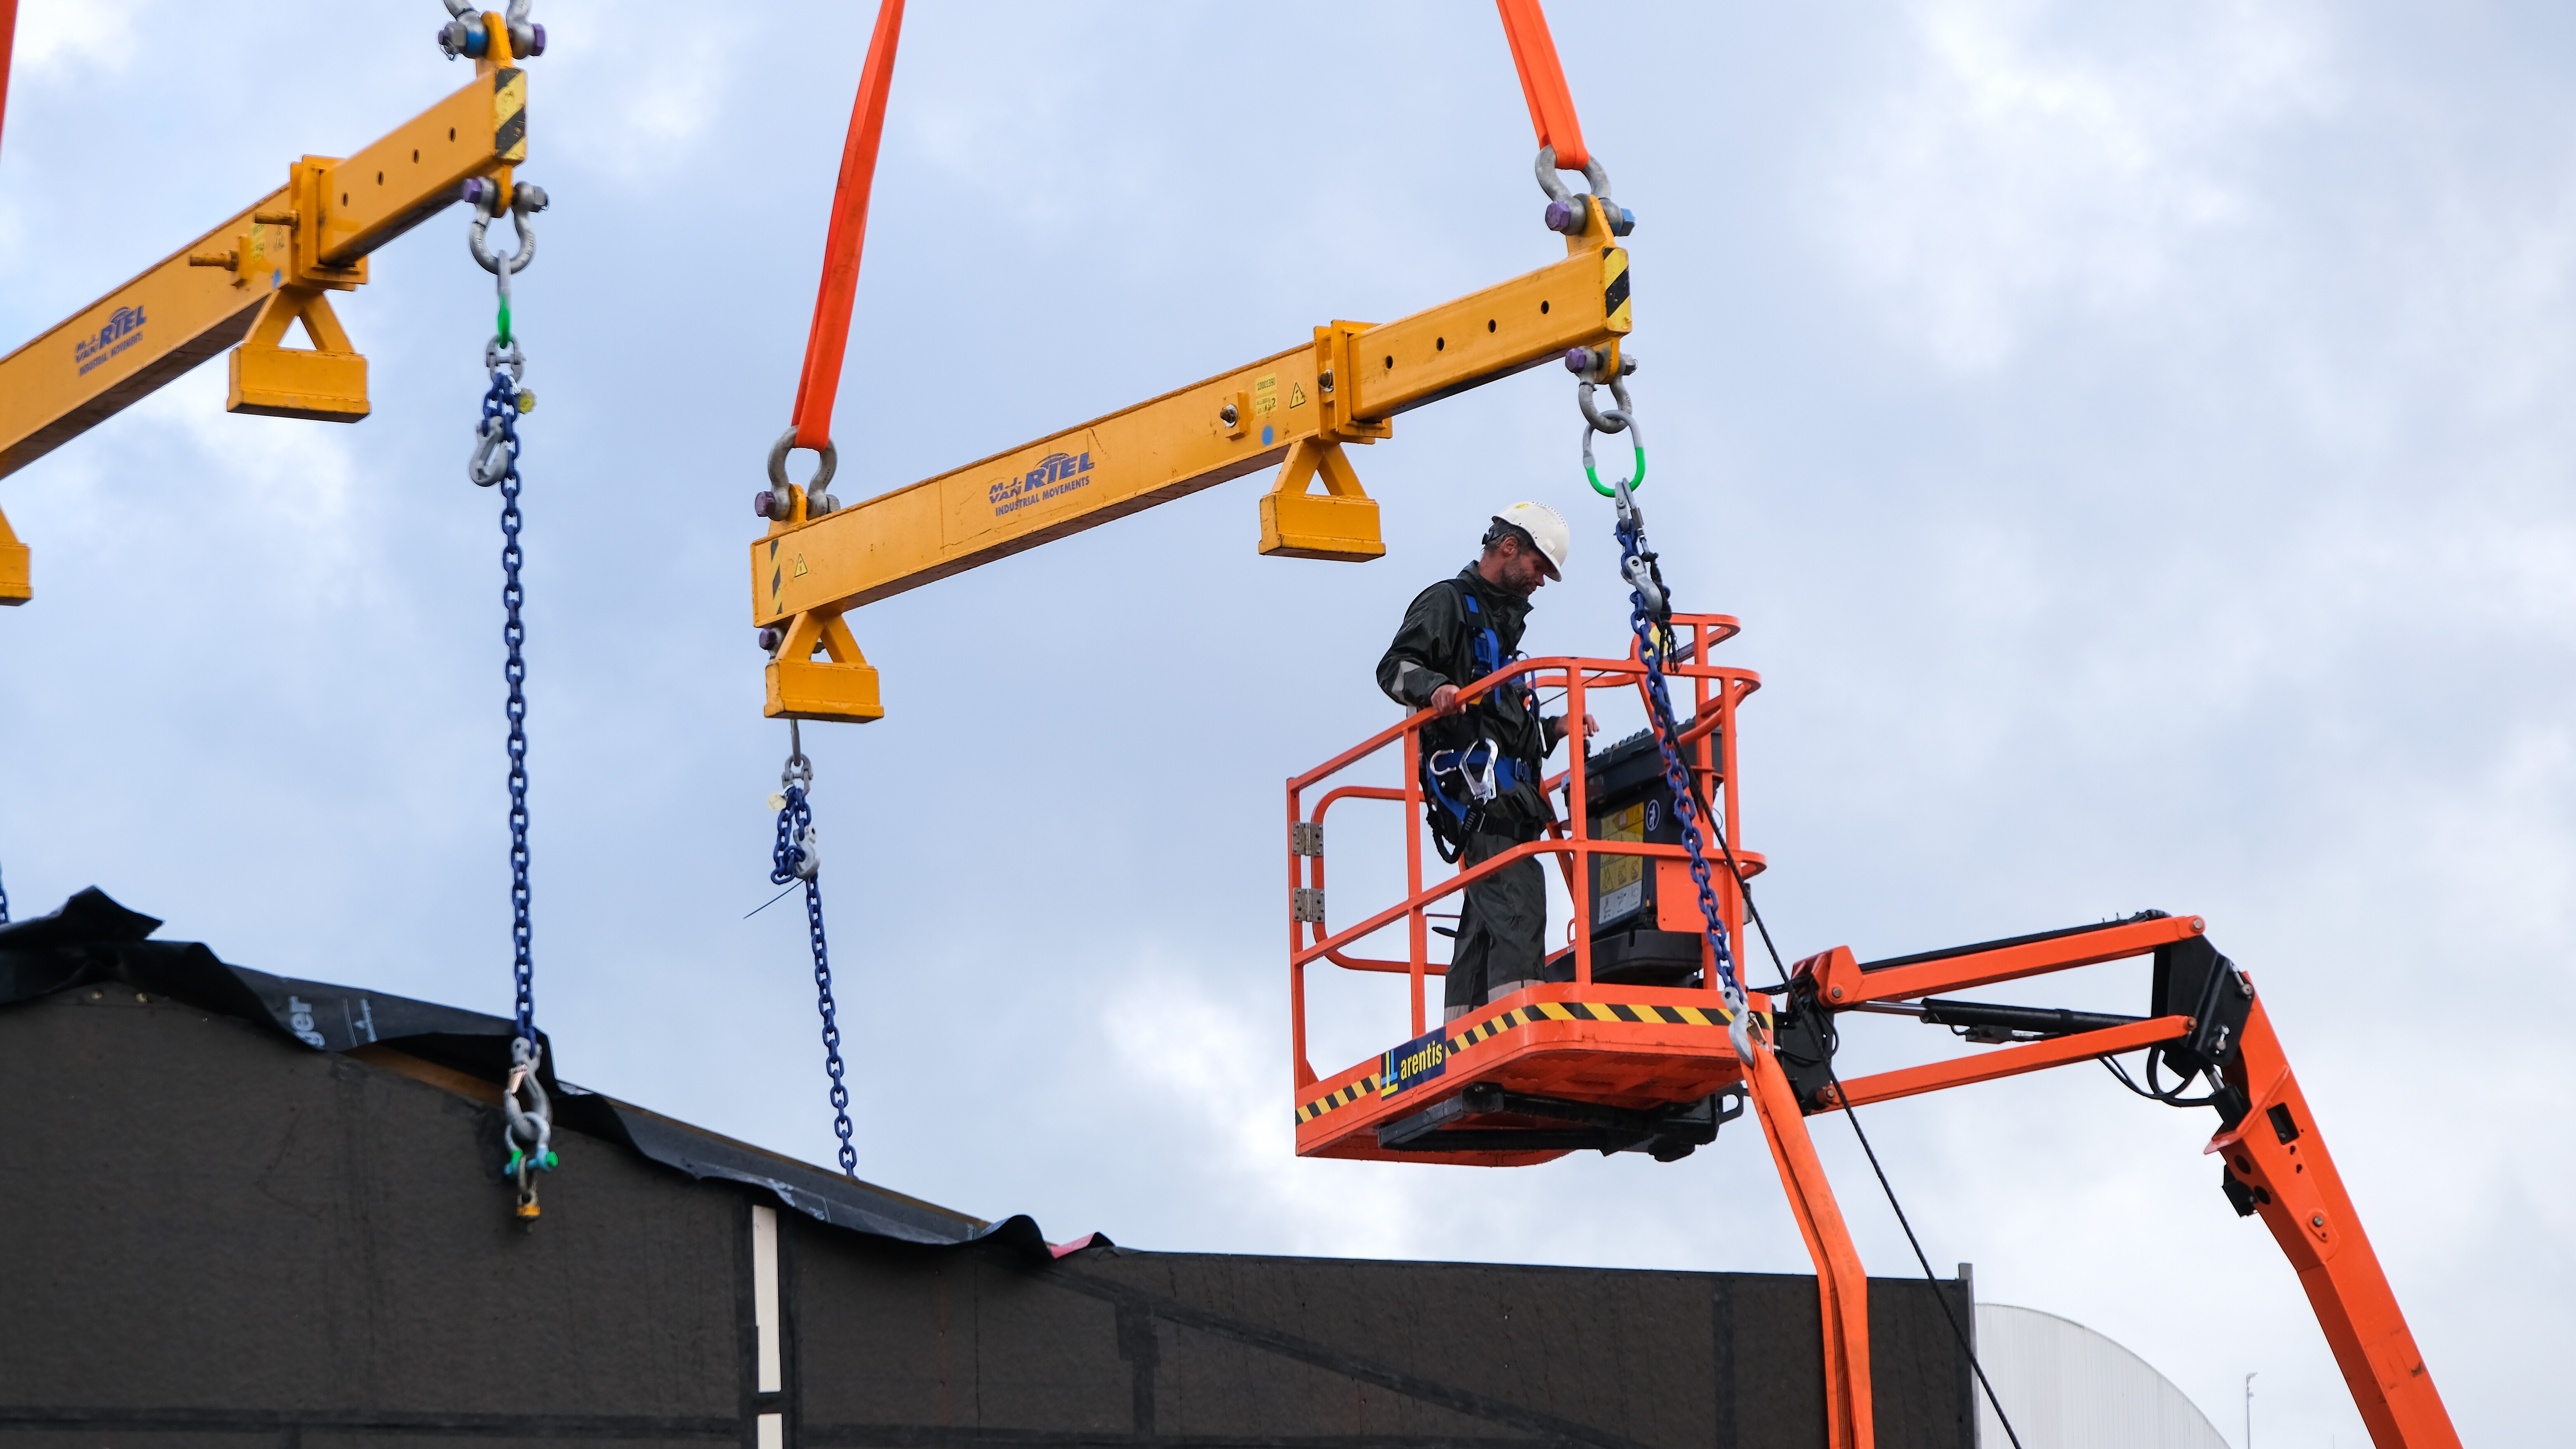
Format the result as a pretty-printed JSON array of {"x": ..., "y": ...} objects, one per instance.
[{"x": 250, "y": 279}]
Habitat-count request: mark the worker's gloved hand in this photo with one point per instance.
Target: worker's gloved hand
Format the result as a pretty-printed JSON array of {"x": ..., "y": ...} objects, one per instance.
[
  {"x": 1556, "y": 729},
  {"x": 1444, "y": 701}
]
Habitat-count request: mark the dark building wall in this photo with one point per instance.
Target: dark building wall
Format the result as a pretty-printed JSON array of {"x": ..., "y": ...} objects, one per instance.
[{"x": 213, "y": 1235}]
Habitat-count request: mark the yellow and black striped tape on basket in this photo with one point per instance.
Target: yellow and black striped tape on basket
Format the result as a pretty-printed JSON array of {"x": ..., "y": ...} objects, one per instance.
[{"x": 1529, "y": 1015}]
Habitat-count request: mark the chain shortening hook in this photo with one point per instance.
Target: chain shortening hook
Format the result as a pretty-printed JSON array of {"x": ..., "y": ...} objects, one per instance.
[
  {"x": 1637, "y": 565},
  {"x": 492, "y": 453},
  {"x": 799, "y": 855}
]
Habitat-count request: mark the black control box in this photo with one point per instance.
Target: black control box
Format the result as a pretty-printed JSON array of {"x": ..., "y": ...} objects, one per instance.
[{"x": 1628, "y": 799}]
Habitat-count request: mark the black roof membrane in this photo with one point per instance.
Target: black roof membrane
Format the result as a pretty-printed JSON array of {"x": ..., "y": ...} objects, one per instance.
[{"x": 93, "y": 939}]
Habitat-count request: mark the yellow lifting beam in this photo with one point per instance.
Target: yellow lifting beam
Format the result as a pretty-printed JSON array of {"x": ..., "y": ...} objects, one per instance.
[
  {"x": 1294, "y": 408},
  {"x": 266, "y": 267}
]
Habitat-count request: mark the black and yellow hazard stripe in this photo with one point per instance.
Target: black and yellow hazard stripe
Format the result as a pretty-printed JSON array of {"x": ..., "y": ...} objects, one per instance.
[
  {"x": 1588, "y": 1011},
  {"x": 1340, "y": 1098},
  {"x": 509, "y": 115},
  {"x": 1634, "y": 1013},
  {"x": 1614, "y": 288}
]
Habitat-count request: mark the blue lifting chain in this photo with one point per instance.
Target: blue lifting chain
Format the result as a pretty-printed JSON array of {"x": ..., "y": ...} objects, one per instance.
[
  {"x": 4, "y": 905},
  {"x": 530, "y": 1131},
  {"x": 796, "y": 858},
  {"x": 1650, "y": 615}
]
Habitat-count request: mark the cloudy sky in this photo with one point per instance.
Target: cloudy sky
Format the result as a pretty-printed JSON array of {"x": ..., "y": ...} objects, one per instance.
[{"x": 2135, "y": 439}]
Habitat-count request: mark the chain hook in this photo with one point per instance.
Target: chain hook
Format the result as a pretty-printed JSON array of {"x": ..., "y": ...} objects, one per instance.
[
  {"x": 494, "y": 450},
  {"x": 531, "y": 1129},
  {"x": 798, "y": 855},
  {"x": 1637, "y": 565}
]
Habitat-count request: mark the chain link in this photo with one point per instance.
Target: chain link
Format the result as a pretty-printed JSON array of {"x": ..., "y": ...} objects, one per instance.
[
  {"x": 1650, "y": 617},
  {"x": 496, "y": 461},
  {"x": 797, "y": 857},
  {"x": 500, "y": 414},
  {"x": 4, "y": 905}
]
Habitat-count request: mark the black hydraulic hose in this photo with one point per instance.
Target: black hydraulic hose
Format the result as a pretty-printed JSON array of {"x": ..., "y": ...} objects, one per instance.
[{"x": 1965, "y": 1346}]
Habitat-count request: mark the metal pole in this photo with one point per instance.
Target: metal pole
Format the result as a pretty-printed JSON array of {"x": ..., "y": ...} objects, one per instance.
[{"x": 2249, "y": 1411}]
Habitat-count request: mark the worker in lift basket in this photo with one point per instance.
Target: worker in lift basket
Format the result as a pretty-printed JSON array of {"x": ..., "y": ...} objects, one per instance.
[{"x": 1482, "y": 759}]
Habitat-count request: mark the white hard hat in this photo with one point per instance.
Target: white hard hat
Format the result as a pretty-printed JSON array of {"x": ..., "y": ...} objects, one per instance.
[{"x": 1546, "y": 528}]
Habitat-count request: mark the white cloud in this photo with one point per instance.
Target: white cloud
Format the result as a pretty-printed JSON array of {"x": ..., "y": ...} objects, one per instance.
[
  {"x": 627, "y": 102},
  {"x": 2009, "y": 174},
  {"x": 1215, "y": 1070},
  {"x": 58, "y": 38}
]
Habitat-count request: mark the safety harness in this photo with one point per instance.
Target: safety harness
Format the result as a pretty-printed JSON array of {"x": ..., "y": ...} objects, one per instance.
[{"x": 1458, "y": 784}]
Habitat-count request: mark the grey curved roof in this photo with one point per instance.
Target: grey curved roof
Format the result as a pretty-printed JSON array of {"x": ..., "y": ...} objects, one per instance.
[{"x": 2068, "y": 1387}]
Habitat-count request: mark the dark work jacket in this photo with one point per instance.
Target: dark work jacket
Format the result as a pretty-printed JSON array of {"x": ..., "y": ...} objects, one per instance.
[{"x": 1436, "y": 645}]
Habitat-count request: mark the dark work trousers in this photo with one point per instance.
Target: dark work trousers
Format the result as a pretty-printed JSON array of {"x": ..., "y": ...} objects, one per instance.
[{"x": 1502, "y": 928}]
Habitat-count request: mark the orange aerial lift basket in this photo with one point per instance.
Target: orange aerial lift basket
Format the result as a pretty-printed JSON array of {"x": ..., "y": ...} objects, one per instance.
[{"x": 1626, "y": 1047}]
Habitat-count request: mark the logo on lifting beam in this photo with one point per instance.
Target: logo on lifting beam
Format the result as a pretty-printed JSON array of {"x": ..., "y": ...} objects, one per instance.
[
  {"x": 124, "y": 328},
  {"x": 1055, "y": 475}
]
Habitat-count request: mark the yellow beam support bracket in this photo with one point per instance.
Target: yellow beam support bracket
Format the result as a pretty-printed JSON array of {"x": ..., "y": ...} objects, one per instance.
[
  {"x": 1334, "y": 374},
  {"x": 844, "y": 689},
  {"x": 326, "y": 383},
  {"x": 1339, "y": 523},
  {"x": 15, "y": 585}
]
